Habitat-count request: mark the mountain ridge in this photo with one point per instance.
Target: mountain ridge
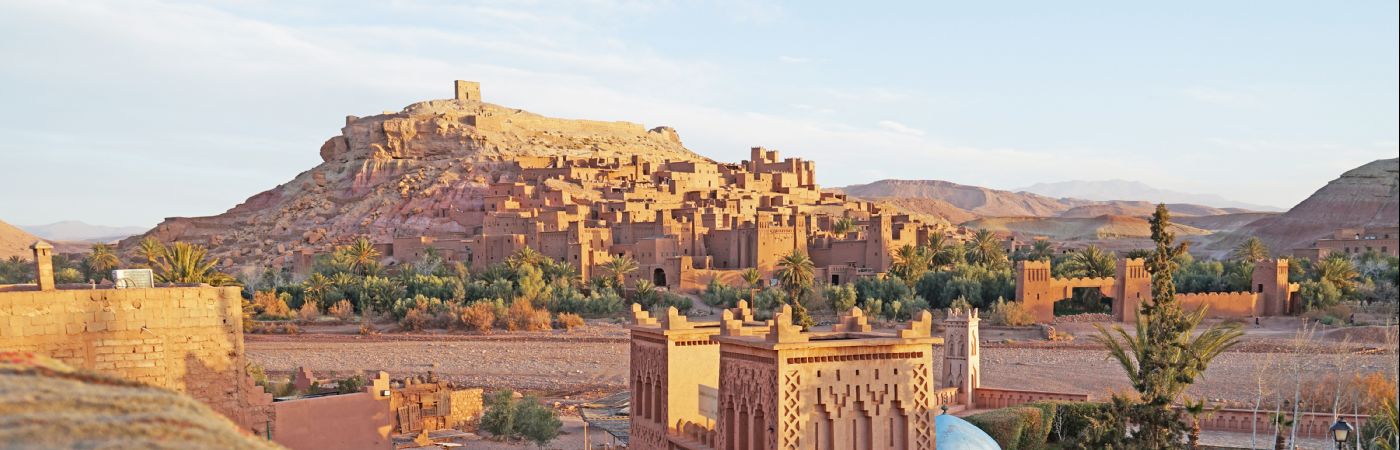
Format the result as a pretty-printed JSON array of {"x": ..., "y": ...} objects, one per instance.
[{"x": 1127, "y": 190}]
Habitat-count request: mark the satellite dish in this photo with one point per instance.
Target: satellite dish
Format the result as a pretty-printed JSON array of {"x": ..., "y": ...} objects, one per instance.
[{"x": 133, "y": 279}]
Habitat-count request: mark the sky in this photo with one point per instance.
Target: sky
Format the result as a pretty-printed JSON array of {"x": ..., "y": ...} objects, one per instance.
[{"x": 123, "y": 113}]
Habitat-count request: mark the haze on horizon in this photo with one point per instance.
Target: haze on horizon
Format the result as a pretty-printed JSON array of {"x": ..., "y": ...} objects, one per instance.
[{"x": 122, "y": 113}]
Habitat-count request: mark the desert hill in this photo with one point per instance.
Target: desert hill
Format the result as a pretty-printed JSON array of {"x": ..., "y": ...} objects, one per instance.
[
  {"x": 1112, "y": 232},
  {"x": 1367, "y": 196},
  {"x": 16, "y": 242},
  {"x": 1109, "y": 190},
  {"x": 402, "y": 172},
  {"x": 73, "y": 230},
  {"x": 960, "y": 203}
]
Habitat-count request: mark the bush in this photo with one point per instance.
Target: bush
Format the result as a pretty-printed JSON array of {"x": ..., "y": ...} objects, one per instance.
[
  {"x": 509, "y": 419},
  {"x": 721, "y": 295},
  {"x": 308, "y": 311},
  {"x": 270, "y": 306},
  {"x": 569, "y": 321},
  {"x": 522, "y": 316},
  {"x": 1318, "y": 295},
  {"x": 480, "y": 316},
  {"x": 1011, "y": 313},
  {"x": 351, "y": 384},
  {"x": 841, "y": 298},
  {"x": 1014, "y": 428},
  {"x": 343, "y": 310}
]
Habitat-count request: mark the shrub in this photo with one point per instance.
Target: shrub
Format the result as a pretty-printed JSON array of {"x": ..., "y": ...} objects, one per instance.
[
  {"x": 351, "y": 384},
  {"x": 480, "y": 316},
  {"x": 522, "y": 316},
  {"x": 1014, "y": 428},
  {"x": 269, "y": 305},
  {"x": 1011, "y": 313},
  {"x": 721, "y": 295},
  {"x": 569, "y": 321},
  {"x": 841, "y": 298},
  {"x": 509, "y": 419},
  {"x": 308, "y": 311},
  {"x": 343, "y": 310}
]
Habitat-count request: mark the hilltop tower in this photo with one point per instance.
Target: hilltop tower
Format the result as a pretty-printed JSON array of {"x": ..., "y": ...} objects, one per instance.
[
  {"x": 962, "y": 366},
  {"x": 467, "y": 90}
]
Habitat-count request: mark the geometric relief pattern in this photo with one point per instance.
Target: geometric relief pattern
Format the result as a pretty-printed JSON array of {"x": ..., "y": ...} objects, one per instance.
[
  {"x": 792, "y": 423},
  {"x": 748, "y": 389},
  {"x": 923, "y": 429}
]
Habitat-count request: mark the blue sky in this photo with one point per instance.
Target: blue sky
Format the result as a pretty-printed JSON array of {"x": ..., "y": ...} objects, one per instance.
[{"x": 123, "y": 113}]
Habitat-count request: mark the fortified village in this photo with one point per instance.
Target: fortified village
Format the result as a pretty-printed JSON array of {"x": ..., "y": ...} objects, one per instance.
[{"x": 732, "y": 383}]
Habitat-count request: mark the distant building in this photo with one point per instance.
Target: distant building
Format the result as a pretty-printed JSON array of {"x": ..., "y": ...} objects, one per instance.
[{"x": 1354, "y": 241}]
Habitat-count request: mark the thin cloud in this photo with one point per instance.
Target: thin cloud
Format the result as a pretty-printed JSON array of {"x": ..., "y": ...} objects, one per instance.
[{"x": 899, "y": 128}]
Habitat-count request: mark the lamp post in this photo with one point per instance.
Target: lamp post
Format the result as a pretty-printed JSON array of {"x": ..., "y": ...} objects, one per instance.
[{"x": 1341, "y": 432}]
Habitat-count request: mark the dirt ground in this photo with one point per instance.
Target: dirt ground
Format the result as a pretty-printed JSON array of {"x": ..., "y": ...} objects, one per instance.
[{"x": 593, "y": 362}]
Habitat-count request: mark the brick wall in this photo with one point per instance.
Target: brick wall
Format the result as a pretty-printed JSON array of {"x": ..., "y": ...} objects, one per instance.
[{"x": 187, "y": 339}]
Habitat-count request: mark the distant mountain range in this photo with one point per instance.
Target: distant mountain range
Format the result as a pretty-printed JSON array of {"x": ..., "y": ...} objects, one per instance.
[
  {"x": 73, "y": 230},
  {"x": 959, "y": 203},
  {"x": 16, "y": 242},
  {"x": 1110, "y": 190}
]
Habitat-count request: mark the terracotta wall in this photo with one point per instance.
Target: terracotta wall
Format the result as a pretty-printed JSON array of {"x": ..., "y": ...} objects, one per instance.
[
  {"x": 187, "y": 339},
  {"x": 991, "y": 398},
  {"x": 1239, "y": 305},
  {"x": 1243, "y": 421},
  {"x": 350, "y": 422}
]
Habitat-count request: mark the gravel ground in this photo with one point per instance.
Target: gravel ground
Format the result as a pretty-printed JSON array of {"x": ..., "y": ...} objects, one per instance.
[{"x": 594, "y": 360}]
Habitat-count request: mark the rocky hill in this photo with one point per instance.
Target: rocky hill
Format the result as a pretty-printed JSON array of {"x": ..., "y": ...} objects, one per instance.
[
  {"x": 960, "y": 203},
  {"x": 395, "y": 173},
  {"x": 1367, "y": 196}
]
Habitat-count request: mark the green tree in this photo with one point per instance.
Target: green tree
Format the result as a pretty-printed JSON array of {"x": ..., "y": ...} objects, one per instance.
[
  {"x": 1163, "y": 356},
  {"x": 618, "y": 268},
  {"x": 752, "y": 277},
  {"x": 795, "y": 275},
  {"x": 943, "y": 251},
  {"x": 315, "y": 287},
  {"x": 1091, "y": 262},
  {"x": 910, "y": 263},
  {"x": 1337, "y": 271},
  {"x": 101, "y": 261},
  {"x": 985, "y": 249},
  {"x": 1251, "y": 250},
  {"x": 361, "y": 255},
  {"x": 1041, "y": 250},
  {"x": 843, "y": 226},
  {"x": 189, "y": 263},
  {"x": 151, "y": 250}
]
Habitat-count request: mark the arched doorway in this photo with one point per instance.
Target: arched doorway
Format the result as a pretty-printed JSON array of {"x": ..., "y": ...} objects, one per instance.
[{"x": 658, "y": 277}]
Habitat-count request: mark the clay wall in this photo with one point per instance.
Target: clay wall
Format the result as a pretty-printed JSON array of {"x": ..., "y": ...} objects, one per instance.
[
  {"x": 1312, "y": 425},
  {"x": 359, "y": 421},
  {"x": 992, "y": 398},
  {"x": 1237, "y": 305},
  {"x": 187, "y": 339}
]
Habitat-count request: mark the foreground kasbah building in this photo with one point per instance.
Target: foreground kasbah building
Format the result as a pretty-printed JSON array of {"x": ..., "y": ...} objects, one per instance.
[
  {"x": 685, "y": 222},
  {"x": 189, "y": 339},
  {"x": 745, "y": 385}
]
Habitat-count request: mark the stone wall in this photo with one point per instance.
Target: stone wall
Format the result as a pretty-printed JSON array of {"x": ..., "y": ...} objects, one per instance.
[
  {"x": 1236, "y": 305},
  {"x": 992, "y": 398},
  {"x": 187, "y": 339},
  {"x": 1311, "y": 425}
]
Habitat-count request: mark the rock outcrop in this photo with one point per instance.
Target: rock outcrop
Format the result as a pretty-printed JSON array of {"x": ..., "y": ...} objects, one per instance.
[
  {"x": 400, "y": 173},
  {"x": 1367, "y": 196}
]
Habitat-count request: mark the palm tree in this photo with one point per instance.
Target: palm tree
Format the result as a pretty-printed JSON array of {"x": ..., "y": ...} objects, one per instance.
[
  {"x": 1337, "y": 271},
  {"x": 316, "y": 286},
  {"x": 101, "y": 260},
  {"x": 361, "y": 255},
  {"x": 1091, "y": 262},
  {"x": 618, "y": 268},
  {"x": 985, "y": 249},
  {"x": 1041, "y": 250},
  {"x": 752, "y": 277},
  {"x": 910, "y": 263},
  {"x": 1251, "y": 250},
  {"x": 152, "y": 250},
  {"x": 795, "y": 275},
  {"x": 942, "y": 251},
  {"x": 525, "y": 255},
  {"x": 187, "y": 263},
  {"x": 843, "y": 226}
]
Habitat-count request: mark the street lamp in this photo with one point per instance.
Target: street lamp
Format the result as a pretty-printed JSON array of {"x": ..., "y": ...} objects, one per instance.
[{"x": 1341, "y": 431}]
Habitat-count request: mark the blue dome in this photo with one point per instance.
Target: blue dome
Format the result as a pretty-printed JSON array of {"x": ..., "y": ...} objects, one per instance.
[{"x": 957, "y": 434}]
